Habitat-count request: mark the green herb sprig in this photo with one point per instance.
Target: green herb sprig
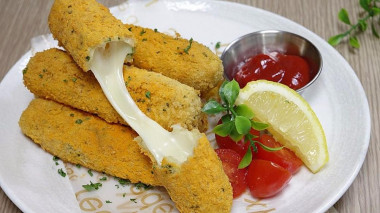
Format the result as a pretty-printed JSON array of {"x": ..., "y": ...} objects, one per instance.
[
  {"x": 371, "y": 10},
  {"x": 237, "y": 120}
]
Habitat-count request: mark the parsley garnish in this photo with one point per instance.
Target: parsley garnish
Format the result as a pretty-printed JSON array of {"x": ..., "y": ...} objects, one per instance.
[
  {"x": 142, "y": 32},
  {"x": 107, "y": 201},
  {"x": 186, "y": 50},
  {"x": 124, "y": 182},
  {"x": 217, "y": 45},
  {"x": 74, "y": 79},
  {"x": 103, "y": 179},
  {"x": 87, "y": 58},
  {"x": 124, "y": 194},
  {"x": 140, "y": 185},
  {"x": 92, "y": 186},
  {"x": 79, "y": 121},
  {"x": 130, "y": 29},
  {"x": 237, "y": 121},
  {"x": 90, "y": 172},
  {"x": 24, "y": 70},
  {"x": 133, "y": 200},
  {"x": 61, "y": 172},
  {"x": 78, "y": 166},
  {"x": 155, "y": 30},
  {"x": 40, "y": 75},
  {"x": 147, "y": 94},
  {"x": 55, "y": 158}
]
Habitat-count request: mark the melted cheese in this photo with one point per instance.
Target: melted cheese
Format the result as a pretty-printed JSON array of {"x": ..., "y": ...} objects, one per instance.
[{"x": 107, "y": 66}]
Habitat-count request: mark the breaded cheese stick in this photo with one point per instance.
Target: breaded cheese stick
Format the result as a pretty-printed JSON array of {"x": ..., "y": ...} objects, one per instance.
[
  {"x": 81, "y": 138},
  {"x": 81, "y": 26},
  {"x": 197, "y": 185},
  {"x": 189, "y": 62},
  {"x": 54, "y": 75}
]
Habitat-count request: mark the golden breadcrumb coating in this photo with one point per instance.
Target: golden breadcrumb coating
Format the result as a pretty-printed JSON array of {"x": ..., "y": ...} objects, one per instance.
[
  {"x": 199, "y": 184},
  {"x": 82, "y": 25},
  {"x": 81, "y": 138},
  {"x": 199, "y": 67},
  {"x": 54, "y": 75}
]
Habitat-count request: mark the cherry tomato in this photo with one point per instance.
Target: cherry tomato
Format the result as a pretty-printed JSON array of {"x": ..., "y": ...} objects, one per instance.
[
  {"x": 265, "y": 178},
  {"x": 230, "y": 161},
  {"x": 227, "y": 143},
  {"x": 291, "y": 70},
  {"x": 284, "y": 157}
]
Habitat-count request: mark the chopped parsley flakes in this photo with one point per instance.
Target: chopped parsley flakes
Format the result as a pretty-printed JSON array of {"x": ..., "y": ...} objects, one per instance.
[
  {"x": 61, "y": 172},
  {"x": 186, "y": 50},
  {"x": 147, "y": 94},
  {"x": 142, "y": 32},
  {"x": 90, "y": 172},
  {"x": 217, "y": 45},
  {"x": 79, "y": 121},
  {"x": 92, "y": 186},
  {"x": 107, "y": 201},
  {"x": 103, "y": 179},
  {"x": 133, "y": 200}
]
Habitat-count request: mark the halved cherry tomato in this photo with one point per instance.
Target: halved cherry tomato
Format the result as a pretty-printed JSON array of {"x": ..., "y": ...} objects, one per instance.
[
  {"x": 266, "y": 178},
  {"x": 227, "y": 143},
  {"x": 230, "y": 160},
  {"x": 284, "y": 157}
]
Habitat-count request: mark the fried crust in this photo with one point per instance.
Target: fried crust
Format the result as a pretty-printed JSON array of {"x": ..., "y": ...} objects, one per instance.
[
  {"x": 197, "y": 185},
  {"x": 81, "y": 138},
  {"x": 54, "y": 75},
  {"x": 199, "y": 68},
  {"x": 82, "y": 25}
]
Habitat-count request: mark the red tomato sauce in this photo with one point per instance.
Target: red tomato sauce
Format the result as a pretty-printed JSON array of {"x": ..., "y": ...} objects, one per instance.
[{"x": 291, "y": 70}]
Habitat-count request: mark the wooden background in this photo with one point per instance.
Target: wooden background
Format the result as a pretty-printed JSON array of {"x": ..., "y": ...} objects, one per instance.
[{"x": 21, "y": 20}]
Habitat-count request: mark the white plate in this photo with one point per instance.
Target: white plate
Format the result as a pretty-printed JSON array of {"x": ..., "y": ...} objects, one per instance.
[{"x": 29, "y": 178}]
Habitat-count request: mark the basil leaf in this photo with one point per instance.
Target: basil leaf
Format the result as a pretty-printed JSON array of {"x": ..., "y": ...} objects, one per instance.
[
  {"x": 365, "y": 4},
  {"x": 221, "y": 92},
  {"x": 224, "y": 129},
  {"x": 244, "y": 110},
  {"x": 226, "y": 118},
  {"x": 335, "y": 40},
  {"x": 243, "y": 125},
  {"x": 374, "y": 32},
  {"x": 343, "y": 16},
  {"x": 375, "y": 11},
  {"x": 258, "y": 126},
  {"x": 269, "y": 149},
  {"x": 231, "y": 92},
  {"x": 235, "y": 136},
  {"x": 353, "y": 41},
  {"x": 213, "y": 107},
  {"x": 362, "y": 25},
  {"x": 246, "y": 160}
]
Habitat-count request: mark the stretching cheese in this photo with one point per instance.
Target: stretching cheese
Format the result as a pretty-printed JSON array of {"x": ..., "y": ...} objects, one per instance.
[
  {"x": 54, "y": 75},
  {"x": 81, "y": 26}
]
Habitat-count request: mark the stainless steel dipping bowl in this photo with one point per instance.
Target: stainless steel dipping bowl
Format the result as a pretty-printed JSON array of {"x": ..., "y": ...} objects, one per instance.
[{"x": 271, "y": 41}]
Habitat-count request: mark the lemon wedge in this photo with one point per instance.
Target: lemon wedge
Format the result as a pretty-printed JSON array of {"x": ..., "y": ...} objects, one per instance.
[{"x": 291, "y": 120}]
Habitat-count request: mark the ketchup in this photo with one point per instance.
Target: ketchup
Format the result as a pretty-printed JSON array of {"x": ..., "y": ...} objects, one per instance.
[{"x": 291, "y": 70}]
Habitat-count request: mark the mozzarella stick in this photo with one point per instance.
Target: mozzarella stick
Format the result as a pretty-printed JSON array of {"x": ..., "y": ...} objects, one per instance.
[
  {"x": 82, "y": 26},
  {"x": 81, "y": 138},
  {"x": 198, "y": 184},
  {"x": 187, "y": 61},
  {"x": 54, "y": 75}
]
